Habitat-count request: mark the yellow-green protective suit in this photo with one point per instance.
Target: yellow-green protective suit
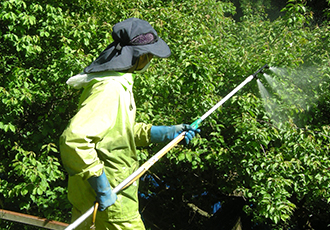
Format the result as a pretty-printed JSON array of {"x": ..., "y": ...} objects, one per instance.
[{"x": 103, "y": 135}]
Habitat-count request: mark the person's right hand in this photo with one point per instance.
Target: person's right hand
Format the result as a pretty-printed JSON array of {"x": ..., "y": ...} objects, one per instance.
[{"x": 160, "y": 134}]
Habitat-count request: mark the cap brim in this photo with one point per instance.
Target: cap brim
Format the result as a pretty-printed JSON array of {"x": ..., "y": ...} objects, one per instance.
[
  {"x": 110, "y": 60},
  {"x": 158, "y": 49}
]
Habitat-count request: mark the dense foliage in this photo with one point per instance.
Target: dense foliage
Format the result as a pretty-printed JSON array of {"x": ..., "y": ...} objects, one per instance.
[{"x": 264, "y": 158}]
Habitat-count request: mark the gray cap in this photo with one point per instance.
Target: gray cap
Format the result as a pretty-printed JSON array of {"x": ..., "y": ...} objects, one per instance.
[{"x": 132, "y": 37}]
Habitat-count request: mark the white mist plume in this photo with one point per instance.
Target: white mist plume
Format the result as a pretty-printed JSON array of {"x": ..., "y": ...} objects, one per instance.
[{"x": 297, "y": 89}]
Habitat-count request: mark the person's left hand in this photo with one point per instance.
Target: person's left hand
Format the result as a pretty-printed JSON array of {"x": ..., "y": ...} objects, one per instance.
[{"x": 102, "y": 188}]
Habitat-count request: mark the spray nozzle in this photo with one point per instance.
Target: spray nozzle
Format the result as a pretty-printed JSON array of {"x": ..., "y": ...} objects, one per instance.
[{"x": 260, "y": 70}]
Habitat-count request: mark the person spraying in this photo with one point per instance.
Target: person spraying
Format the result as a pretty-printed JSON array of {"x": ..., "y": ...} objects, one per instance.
[{"x": 98, "y": 147}]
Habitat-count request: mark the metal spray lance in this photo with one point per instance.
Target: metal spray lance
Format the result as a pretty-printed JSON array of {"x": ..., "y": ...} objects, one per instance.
[{"x": 196, "y": 123}]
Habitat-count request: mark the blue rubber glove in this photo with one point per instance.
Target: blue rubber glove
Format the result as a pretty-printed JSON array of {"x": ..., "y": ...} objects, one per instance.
[
  {"x": 160, "y": 134},
  {"x": 104, "y": 194}
]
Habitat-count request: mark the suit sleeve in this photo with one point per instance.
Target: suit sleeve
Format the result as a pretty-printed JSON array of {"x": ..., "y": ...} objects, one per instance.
[{"x": 142, "y": 134}]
